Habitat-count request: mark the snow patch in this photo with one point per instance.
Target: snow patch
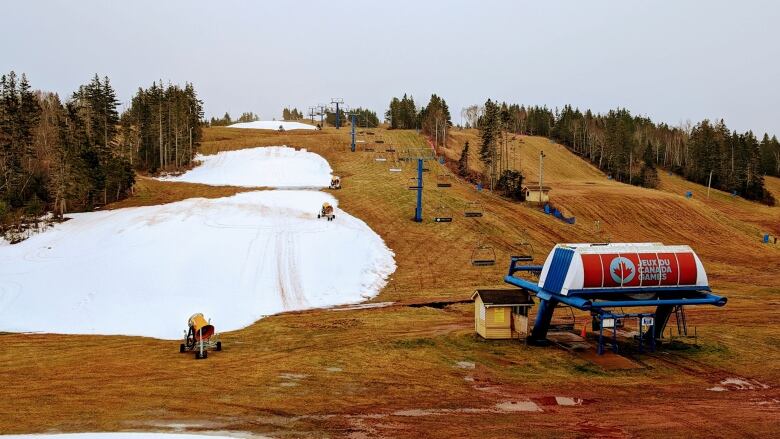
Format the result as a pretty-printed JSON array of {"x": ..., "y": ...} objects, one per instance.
[
  {"x": 518, "y": 406},
  {"x": 272, "y": 166},
  {"x": 567, "y": 401},
  {"x": 143, "y": 271},
  {"x": 273, "y": 125}
]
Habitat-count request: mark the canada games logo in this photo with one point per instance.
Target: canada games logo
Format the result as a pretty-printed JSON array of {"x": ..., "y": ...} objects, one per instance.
[{"x": 622, "y": 270}]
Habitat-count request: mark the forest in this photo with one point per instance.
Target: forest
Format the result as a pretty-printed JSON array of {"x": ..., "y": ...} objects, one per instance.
[
  {"x": 80, "y": 154},
  {"x": 630, "y": 148}
]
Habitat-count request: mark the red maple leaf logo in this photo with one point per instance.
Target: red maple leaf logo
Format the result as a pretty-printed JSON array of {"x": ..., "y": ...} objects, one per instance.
[{"x": 622, "y": 270}]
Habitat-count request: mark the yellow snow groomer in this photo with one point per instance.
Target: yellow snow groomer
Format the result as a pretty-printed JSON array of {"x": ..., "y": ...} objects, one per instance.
[
  {"x": 327, "y": 212},
  {"x": 335, "y": 183}
]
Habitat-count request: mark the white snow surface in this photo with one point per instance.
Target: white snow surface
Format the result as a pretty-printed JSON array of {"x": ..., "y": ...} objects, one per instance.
[
  {"x": 272, "y": 166},
  {"x": 273, "y": 125},
  {"x": 144, "y": 270}
]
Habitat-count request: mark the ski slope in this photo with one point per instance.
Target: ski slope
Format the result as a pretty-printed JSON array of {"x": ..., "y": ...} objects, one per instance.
[
  {"x": 273, "y": 166},
  {"x": 273, "y": 125},
  {"x": 144, "y": 270}
]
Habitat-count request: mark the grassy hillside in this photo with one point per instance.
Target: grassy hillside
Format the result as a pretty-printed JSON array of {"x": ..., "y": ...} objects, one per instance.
[{"x": 409, "y": 371}]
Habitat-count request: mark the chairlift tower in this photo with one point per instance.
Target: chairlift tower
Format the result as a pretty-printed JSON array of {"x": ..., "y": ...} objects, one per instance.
[
  {"x": 353, "y": 117},
  {"x": 541, "y": 173},
  {"x": 421, "y": 157},
  {"x": 337, "y": 101},
  {"x": 321, "y": 108},
  {"x": 311, "y": 113}
]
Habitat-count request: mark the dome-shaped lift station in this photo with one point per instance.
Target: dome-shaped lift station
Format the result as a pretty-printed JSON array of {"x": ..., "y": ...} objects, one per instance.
[{"x": 601, "y": 278}]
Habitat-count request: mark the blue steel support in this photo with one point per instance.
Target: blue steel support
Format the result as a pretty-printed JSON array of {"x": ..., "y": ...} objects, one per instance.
[
  {"x": 353, "y": 133},
  {"x": 662, "y": 314},
  {"x": 542, "y": 324},
  {"x": 338, "y": 121},
  {"x": 418, "y": 209},
  {"x": 706, "y": 299}
]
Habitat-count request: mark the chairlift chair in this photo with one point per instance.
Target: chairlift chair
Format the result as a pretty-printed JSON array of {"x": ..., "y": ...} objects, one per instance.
[
  {"x": 380, "y": 157},
  {"x": 523, "y": 250},
  {"x": 565, "y": 322},
  {"x": 443, "y": 180},
  {"x": 483, "y": 255},
  {"x": 442, "y": 213},
  {"x": 473, "y": 209}
]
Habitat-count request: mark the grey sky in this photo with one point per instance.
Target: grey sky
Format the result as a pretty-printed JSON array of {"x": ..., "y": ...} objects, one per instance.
[{"x": 671, "y": 60}]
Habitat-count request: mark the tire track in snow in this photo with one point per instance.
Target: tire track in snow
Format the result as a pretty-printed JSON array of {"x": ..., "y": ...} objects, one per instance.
[
  {"x": 256, "y": 255},
  {"x": 288, "y": 277}
]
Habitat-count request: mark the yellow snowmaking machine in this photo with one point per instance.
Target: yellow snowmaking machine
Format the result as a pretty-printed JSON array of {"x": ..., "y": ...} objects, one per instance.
[
  {"x": 327, "y": 212},
  {"x": 199, "y": 337}
]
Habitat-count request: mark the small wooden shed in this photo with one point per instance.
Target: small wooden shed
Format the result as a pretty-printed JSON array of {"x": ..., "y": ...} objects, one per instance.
[
  {"x": 536, "y": 194},
  {"x": 501, "y": 314}
]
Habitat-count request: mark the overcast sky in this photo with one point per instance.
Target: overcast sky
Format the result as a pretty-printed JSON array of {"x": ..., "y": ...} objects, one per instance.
[{"x": 670, "y": 60}]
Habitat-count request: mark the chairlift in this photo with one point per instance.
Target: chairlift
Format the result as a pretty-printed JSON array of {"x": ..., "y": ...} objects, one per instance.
[
  {"x": 380, "y": 158},
  {"x": 379, "y": 141},
  {"x": 565, "y": 322},
  {"x": 391, "y": 149},
  {"x": 523, "y": 250},
  {"x": 483, "y": 255},
  {"x": 442, "y": 214},
  {"x": 443, "y": 180},
  {"x": 473, "y": 209}
]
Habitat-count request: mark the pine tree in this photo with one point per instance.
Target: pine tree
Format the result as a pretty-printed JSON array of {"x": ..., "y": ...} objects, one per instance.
[
  {"x": 648, "y": 176},
  {"x": 463, "y": 162},
  {"x": 489, "y": 132}
]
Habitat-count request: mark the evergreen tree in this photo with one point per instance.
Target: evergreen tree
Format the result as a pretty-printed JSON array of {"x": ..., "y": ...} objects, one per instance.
[
  {"x": 435, "y": 119},
  {"x": 648, "y": 175},
  {"x": 489, "y": 127},
  {"x": 463, "y": 161}
]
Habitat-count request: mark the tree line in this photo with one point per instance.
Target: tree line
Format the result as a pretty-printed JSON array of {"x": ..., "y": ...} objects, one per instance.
[
  {"x": 162, "y": 128},
  {"x": 402, "y": 113},
  {"x": 433, "y": 120},
  {"x": 364, "y": 117},
  {"x": 293, "y": 114},
  {"x": 226, "y": 120},
  {"x": 630, "y": 148},
  {"x": 75, "y": 155}
]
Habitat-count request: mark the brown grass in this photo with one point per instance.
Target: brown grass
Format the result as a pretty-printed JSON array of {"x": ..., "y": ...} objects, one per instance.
[
  {"x": 150, "y": 192},
  {"x": 404, "y": 358}
]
